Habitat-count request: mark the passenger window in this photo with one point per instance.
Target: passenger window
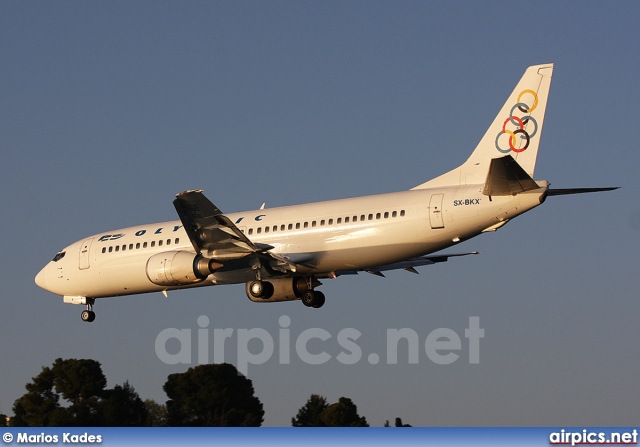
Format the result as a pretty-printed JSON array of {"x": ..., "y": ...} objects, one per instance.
[
  {"x": 110, "y": 249},
  {"x": 339, "y": 221},
  {"x": 290, "y": 227},
  {"x": 346, "y": 219},
  {"x": 104, "y": 249},
  {"x": 370, "y": 216},
  {"x": 330, "y": 221},
  {"x": 144, "y": 245},
  {"x": 130, "y": 246},
  {"x": 378, "y": 215},
  {"x": 138, "y": 246},
  {"x": 306, "y": 224},
  {"x": 250, "y": 231},
  {"x": 394, "y": 214},
  {"x": 275, "y": 228},
  {"x": 386, "y": 214},
  {"x": 266, "y": 229},
  {"x": 313, "y": 224},
  {"x": 259, "y": 230},
  {"x": 402, "y": 213},
  {"x": 177, "y": 241},
  {"x": 298, "y": 226},
  {"x": 117, "y": 248},
  {"x": 362, "y": 218},
  {"x": 124, "y": 248},
  {"x": 282, "y": 227},
  {"x": 322, "y": 223},
  {"x": 160, "y": 243},
  {"x": 153, "y": 244}
]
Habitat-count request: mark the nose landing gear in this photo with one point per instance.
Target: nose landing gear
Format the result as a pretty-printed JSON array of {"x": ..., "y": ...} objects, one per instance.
[{"x": 88, "y": 315}]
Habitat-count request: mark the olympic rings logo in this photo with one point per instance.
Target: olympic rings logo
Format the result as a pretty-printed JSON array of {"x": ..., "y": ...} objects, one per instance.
[{"x": 517, "y": 124}]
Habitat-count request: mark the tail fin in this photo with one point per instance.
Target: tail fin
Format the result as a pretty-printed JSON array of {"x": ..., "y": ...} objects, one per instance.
[{"x": 515, "y": 131}]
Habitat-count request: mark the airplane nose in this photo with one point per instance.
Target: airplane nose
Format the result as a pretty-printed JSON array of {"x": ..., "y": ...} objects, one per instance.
[{"x": 41, "y": 279}]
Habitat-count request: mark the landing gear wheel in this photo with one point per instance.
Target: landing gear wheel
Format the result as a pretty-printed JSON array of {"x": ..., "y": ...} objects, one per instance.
[
  {"x": 88, "y": 316},
  {"x": 261, "y": 289},
  {"x": 312, "y": 298},
  {"x": 307, "y": 298},
  {"x": 318, "y": 300}
]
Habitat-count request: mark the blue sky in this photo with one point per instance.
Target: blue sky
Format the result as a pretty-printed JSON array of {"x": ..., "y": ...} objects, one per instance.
[{"x": 108, "y": 109}]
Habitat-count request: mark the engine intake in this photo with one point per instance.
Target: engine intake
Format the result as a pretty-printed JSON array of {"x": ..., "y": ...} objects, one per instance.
[{"x": 179, "y": 268}]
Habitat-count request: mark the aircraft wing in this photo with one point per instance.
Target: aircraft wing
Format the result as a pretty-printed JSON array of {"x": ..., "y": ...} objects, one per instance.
[
  {"x": 213, "y": 233},
  {"x": 408, "y": 265},
  {"x": 210, "y": 231}
]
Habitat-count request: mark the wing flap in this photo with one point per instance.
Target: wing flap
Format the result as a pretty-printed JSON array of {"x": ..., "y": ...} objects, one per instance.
[{"x": 408, "y": 265}]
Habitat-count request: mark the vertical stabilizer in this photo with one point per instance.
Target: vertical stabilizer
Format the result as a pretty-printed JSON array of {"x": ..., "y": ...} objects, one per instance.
[{"x": 515, "y": 131}]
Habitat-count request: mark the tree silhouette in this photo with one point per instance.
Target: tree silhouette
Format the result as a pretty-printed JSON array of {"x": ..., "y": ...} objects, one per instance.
[
  {"x": 78, "y": 380},
  {"x": 72, "y": 393},
  {"x": 214, "y": 396},
  {"x": 310, "y": 414},
  {"x": 39, "y": 407},
  {"x": 316, "y": 413},
  {"x": 343, "y": 413},
  {"x": 81, "y": 382},
  {"x": 156, "y": 413},
  {"x": 122, "y": 407},
  {"x": 400, "y": 424}
]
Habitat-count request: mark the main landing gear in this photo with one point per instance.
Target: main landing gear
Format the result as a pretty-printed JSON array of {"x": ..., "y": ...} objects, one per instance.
[
  {"x": 313, "y": 298},
  {"x": 88, "y": 315}
]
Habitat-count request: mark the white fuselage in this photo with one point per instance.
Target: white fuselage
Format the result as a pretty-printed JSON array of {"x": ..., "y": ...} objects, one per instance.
[{"x": 338, "y": 235}]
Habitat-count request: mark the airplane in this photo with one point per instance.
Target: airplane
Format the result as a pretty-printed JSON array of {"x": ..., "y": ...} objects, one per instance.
[{"x": 281, "y": 254}]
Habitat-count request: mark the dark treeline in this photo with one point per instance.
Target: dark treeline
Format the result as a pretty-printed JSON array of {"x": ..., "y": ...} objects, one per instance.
[{"x": 73, "y": 393}]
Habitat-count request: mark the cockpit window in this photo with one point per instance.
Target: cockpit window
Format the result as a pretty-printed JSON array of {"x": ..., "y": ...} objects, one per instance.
[{"x": 59, "y": 256}]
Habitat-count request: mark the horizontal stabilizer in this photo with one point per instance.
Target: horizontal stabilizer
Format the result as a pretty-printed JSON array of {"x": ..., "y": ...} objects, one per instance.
[
  {"x": 568, "y": 191},
  {"x": 507, "y": 178}
]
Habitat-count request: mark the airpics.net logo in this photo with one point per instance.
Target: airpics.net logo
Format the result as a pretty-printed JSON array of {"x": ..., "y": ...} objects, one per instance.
[{"x": 256, "y": 346}]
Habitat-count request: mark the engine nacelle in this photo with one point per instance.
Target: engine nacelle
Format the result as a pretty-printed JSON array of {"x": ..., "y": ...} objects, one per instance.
[
  {"x": 179, "y": 268},
  {"x": 281, "y": 289}
]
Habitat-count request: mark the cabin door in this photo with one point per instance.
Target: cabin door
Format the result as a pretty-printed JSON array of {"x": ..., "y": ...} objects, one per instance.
[{"x": 435, "y": 211}]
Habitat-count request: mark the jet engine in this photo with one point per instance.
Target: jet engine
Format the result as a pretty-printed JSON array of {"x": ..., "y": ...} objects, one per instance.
[
  {"x": 179, "y": 268},
  {"x": 280, "y": 289}
]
